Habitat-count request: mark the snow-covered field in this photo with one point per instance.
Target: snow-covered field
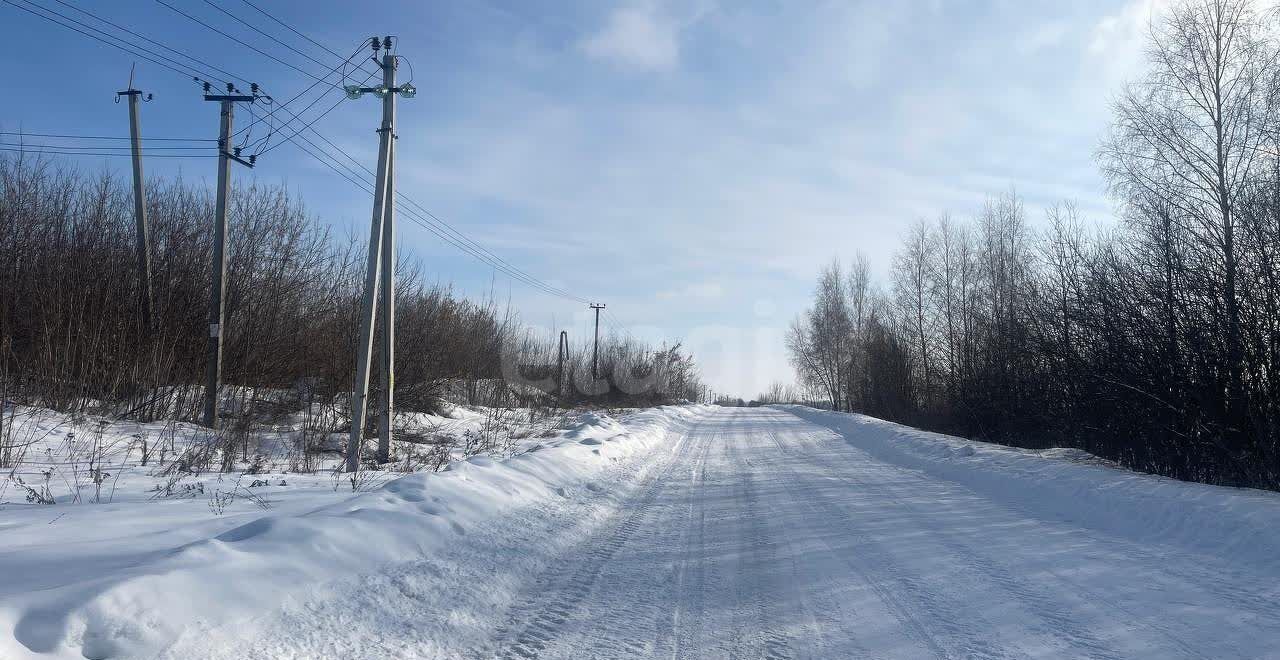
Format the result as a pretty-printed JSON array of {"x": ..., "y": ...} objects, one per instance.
[{"x": 683, "y": 532}]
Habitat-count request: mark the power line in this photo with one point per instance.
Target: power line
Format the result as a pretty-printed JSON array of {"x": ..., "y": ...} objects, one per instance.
[
  {"x": 618, "y": 325},
  {"x": 430, "y": 222},
  {"x": 345, "y": 61},
  {"x": 485, "y": 255},
  {"x": 100, "y": 35},
  {"x": 360, "y": 182},
  {"x": 612, "y": 315},
  {"x": 447, "y": 233},
  {"x": 127, "y": 49},
  {"x": 317, "y": 118},
  {"x": 290, "y": 28},
  {"x": 447, "y": 227},
  {"x": 82, "y": 153},
  {"x": 230, "y": 76},
  {"x": 104, "y": 137},
  {"x": 280, "y": 106},
  {"x": 247, "y": 44},
  {"x": 272, "y": 37},
  {"x": 93, "y": 146},
  {"x": 441, "y": 228},
  {"x": 475, "y": 249}
]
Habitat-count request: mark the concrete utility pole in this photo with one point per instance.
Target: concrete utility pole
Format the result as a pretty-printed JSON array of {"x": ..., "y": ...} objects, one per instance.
[
  {"x": 563, "y": 352},
  {"x": 143, "y": 247},
  {"x": 217, "y": 297},
  {"x": 381, "y": 257},
  {"x": 388, "y": 295},
  {"x": 595, "y": 351}
]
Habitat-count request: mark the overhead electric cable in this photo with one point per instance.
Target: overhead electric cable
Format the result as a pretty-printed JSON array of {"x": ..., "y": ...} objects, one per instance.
[
  {"x": 230, "y": 76},
  {"x": 104, "y": 137},
  {"x": 130, "y": 50},
  {"x": 408, "y": 206},
  {"x": 248, "y": 45},
  {"x": 83, "y": 153}
]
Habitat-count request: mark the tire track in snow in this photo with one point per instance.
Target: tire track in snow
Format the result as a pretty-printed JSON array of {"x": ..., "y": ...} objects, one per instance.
[
  {"x": 692, "y": 571},
  {"x": 758, "y": 585},
  {"x": 540, "y": 619},
  {"x": 635, "y": 588},
  {"x": 905, "y": 616},
  {"x": 1056, "y": 623},
  {"x": 811, "y": 639},
  {"x": 1035, "y": 603}
]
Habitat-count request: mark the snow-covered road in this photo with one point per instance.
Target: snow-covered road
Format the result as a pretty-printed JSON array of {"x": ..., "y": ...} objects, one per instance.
[
  {"x": 766, "y": 536},
  {"x": 679, "y": 532}
]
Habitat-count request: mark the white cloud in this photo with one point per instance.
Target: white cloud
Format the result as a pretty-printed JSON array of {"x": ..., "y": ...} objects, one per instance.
[
  {"x": 1118, "y": 41},
  {"x": 1120, "y": 30},
  {"x": 696, "y": 290},
  {"x": 636, "y": 37},
  {"x": 1041, "y": 37},
  {"x": 775, "y": 140}
]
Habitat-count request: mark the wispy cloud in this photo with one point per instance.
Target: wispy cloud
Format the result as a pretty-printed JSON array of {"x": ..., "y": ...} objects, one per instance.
[
  {"x": 1040, "y": 37},
  {"x": 1126, "y": 28},
  {"x": 638, "y": 37},
  {"x": 693, "y": 291},
  {"x": 776, "y": 137}
]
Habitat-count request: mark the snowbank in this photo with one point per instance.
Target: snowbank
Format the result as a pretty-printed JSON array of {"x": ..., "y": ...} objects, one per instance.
[
  {"x": 1232, "y": 524},
  {"x": 143, "y": 605}
]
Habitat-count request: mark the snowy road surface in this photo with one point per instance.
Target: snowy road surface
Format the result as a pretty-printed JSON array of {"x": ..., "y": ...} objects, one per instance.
[
  {"x": 679, "y": 532},
  {"x": 766, "y": 536}
]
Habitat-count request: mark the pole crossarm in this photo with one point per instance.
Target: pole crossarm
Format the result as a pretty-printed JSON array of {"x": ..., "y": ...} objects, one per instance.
[
  {"x": 247, "y": 163},
  {"x": 405, "y": 91}
]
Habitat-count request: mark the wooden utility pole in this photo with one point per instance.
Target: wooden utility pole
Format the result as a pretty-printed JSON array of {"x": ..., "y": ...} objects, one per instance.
[
  {"x": 143, "y": 240},
  {"x": 381, "y": 258},
  {"x": 217, "y": 297},
  {"x": 595, "y": 350},
  {"x": 562, "y": 353}
]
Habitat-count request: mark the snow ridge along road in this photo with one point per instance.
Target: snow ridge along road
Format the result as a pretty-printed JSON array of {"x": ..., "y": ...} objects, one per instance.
[{"x": 768, "y": 536}]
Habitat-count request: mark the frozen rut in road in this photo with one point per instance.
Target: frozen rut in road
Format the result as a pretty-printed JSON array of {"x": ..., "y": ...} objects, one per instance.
[{"x": 763, "y": 535}]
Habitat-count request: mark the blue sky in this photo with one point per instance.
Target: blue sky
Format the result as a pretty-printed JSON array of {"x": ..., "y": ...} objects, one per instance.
[{"x": 691, "y": 164}]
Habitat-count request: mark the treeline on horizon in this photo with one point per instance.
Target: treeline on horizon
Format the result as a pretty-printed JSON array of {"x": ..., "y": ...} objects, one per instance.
[
  {"x": 72, "y": 338},
  {"x": 1154, "y": 343}
]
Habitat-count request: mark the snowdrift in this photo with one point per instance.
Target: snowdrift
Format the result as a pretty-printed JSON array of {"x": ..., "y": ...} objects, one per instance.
[
  {"x": 1233, "y": 524},
  {"x": 146, "y": 606}
]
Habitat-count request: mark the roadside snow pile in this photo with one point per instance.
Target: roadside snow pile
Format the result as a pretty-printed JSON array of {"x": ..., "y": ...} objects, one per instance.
[
  {"x": 116, "y": 601},
  {"x": 1234, "y": 524}
]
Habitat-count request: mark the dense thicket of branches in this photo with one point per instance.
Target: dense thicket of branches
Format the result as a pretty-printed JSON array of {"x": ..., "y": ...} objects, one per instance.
[
  {"x": 71, "y": 335},
  {"x": 1155, "y": 343}
]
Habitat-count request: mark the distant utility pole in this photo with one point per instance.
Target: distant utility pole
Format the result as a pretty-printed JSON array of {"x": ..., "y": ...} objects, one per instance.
[
  {"x": 563, "y": 352},
  {"x": 217, "y": 298},
  {"x": 595, "y": 350},
  {"x": 139, "y": 209},
  {"x": 381, "y": 258}
]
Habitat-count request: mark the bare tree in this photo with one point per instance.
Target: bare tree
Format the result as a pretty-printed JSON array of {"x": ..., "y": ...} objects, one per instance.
[
  {"x": 1193, "y": 132},
  {"x": 820, "y": 340},
  {"x": 911, "y": 291}
]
